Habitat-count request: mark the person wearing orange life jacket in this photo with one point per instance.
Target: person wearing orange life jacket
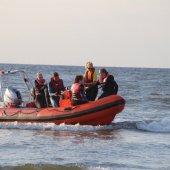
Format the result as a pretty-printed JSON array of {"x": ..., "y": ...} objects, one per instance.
[
  {"x": 78, "y": 91},
  {"x": 108, "y": 84},
  {"x": 90, "y": 78},
  {"x": 56, "y": 86}
]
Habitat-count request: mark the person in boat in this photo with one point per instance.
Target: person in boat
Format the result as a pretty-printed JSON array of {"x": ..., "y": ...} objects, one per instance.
[
  {"x": 90, "y": 78},
  {"x": 107, "y": 83},
  {"x": 56, "y": 86},
  {"x": 40, "y": 91},
  {"x": 78, "y": 91}
]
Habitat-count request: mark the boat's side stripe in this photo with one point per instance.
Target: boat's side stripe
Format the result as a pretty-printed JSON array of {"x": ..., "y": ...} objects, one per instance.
[{"x": 70, "y": 115}]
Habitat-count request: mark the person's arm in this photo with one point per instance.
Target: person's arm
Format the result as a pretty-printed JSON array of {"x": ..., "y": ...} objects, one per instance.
[
  {"x": 90, "y": 84},
  {"x": 116, "y": 87},
  {"x": 44, "y": 87},
  {"x": 95, "y": 77},
  {"x": 82, "y": 93},
  {"x": 63, "y": 87},
  {"x": 112, "y": 82},
  {"x": 37, "y": 88},
  {"x": 84, "y": 76}
]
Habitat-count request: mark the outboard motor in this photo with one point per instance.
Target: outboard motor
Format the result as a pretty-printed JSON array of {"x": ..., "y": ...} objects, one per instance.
[{"x": 12, "y": 97}]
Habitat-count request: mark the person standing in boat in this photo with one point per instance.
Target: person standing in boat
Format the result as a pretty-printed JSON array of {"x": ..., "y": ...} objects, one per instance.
[
  {"x": 107, "y": 83},
  {"x": 56, "y": 86},
  {"x": 90, "y": 78},
  {"x": 78, "y": 91},
  {"x": 40, "y": 91}
]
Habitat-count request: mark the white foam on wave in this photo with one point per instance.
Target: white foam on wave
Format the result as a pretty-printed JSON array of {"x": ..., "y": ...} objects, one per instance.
[
  {"x": 99, "y": 168},
  {"x": 51, "y": 126},
  {"x": 162, "y": 126}
]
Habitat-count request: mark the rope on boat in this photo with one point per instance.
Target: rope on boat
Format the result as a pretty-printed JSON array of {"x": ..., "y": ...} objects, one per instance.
[
  {"x": 6, "y": 114},
  {"x": 18, "y": 112},
  {"x": 66, "y": 109}
]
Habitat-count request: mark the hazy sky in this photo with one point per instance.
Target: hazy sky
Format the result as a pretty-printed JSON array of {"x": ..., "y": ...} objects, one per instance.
[{"x": 71, "y": 32}]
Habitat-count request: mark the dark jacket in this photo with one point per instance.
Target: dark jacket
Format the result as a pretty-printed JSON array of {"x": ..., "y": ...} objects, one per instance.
[
  {"x": 109, "y": 87},
  {"x": 39, "y": 88},
  {"x": 40, "y": 95},
  {"x": 57, "y": 87}
]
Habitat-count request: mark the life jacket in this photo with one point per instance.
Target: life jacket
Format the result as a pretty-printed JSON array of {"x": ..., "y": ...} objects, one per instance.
[
  {"x": 89, "y": 76},
  {"x": 67, "y": 94},
  {"x": 103, "y": 80},
  {"x": 57, "y": 85},
  {"x": 76, "y": 91},
  {"x": 41, "y": 82}
]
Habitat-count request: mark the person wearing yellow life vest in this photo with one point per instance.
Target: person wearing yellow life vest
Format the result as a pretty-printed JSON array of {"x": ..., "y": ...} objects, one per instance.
[
  {"x": 78, "y": 91},
  {"x": 90, "y": 78}
]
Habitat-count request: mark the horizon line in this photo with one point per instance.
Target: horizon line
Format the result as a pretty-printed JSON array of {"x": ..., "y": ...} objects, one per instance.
[{"x": 140, "y": 67}]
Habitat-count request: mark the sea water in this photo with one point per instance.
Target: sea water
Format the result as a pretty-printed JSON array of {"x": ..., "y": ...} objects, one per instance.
[{"x": 138, "y": 138}]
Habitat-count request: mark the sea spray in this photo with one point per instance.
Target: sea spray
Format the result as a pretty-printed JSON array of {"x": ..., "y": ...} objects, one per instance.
[{"x": 51, "y": 126}]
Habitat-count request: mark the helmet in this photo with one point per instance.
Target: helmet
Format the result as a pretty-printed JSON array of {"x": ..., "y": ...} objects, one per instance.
[{"x": 12, "y": 96}]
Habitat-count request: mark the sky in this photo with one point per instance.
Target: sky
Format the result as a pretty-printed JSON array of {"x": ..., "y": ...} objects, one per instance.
[{"x": 116, "y": 33}]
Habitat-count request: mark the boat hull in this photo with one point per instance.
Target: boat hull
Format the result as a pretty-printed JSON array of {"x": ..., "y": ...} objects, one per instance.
[{"x": 100, "y": 112}]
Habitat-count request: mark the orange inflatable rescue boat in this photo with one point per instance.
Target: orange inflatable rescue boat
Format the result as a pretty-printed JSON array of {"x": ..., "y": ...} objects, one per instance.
[{"x": 99, "y": 112}]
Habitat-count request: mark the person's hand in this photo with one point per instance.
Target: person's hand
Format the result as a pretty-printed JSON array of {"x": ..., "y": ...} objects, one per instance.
[
  {"x": 86, "y": 88},
  {"x": 56, "y": 93},
  {"x": 37, "y": 94},
  {"x": 61, "y": 97}
]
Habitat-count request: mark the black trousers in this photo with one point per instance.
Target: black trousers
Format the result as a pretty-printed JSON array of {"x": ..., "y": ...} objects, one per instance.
[
  {"x": 40, "y": 101},
  {"x": 43, "y": 100}
]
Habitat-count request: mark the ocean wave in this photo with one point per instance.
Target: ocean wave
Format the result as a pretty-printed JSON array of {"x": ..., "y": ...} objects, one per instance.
[
  {"x": 156, "y": 126},
  {"x": 51, "y": 126},
  {"x": 162, "y": 126},
  {"x": 64, "y": 127},
  {"x": 160, "y": 99},
  {"x": 124, "y": 125}
]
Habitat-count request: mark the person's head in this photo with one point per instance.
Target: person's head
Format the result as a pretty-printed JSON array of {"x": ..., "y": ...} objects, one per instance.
[
  {"x": 79, "y": 79},
  {"x": 39, "y": 76},
  {"x": 103, "y": 73},
  {"x": 89, "y": 66},
  {"x": 55, "y": 76}
]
